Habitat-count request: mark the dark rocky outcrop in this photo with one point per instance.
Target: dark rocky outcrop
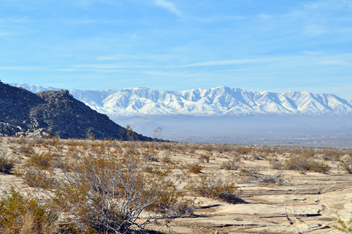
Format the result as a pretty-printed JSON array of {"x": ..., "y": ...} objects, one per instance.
[{"x": 53, "y": 112}]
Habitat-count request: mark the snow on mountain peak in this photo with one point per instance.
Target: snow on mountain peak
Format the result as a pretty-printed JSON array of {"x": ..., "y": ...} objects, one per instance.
[{"x": 205, "y": 102}]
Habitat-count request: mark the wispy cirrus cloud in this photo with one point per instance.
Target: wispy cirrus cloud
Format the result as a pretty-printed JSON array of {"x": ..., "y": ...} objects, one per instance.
[
  {"x": 224, "y": 62},
  {"x": 168, "y": 6}
]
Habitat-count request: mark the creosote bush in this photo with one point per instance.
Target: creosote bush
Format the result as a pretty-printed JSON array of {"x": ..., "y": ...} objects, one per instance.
[
  {"x": 278, "y": 178},
  {"x": 110, "y": 193},
  {"x": 204, "y": 157},
  {"x": 214, "y": 186},
  {"x": 44, "y": 161},
  {"x": 346, "y": 165},
  {"x": 25, "y": 216},
  {"x": 302, "y": 163},
  {"x": 276, "y": 164},
  {"x": 229, "y": 165},
  {"x": 195, "y": 168},
  {"x": 343, "y": 226},
  {"x": 6, "y": 163}
]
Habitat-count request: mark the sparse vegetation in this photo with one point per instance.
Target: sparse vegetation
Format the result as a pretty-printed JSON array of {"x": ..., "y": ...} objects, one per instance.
[
  {"x": 229, "y": 165},
  {"x": 109, "y": 186},
  {"x": 6, "y": 163},
  {"x": 304, "y": 163},
  {"x": 43, "y": 161},
  {"x": 278, "y": 178},
  {"x": 343, "y": 226},
  {"x": 214, "y": 186},
  {"x": 25, "y": 215},
  {"x": 195, "y": 168},
  {"x": 108, "y": 193},
  {"x": 346, "y": 164}
]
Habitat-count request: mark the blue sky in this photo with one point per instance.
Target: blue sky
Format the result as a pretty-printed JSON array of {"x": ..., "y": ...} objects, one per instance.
[{"x": 257, "y": 45}]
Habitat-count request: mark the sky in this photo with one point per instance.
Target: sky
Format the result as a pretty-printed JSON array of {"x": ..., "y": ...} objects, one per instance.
[{"x": 257, "y": 45}]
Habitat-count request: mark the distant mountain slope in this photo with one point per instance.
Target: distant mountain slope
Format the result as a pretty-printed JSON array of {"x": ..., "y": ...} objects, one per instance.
[
  {"x": 55, "y": 113},
  {"x": 220, "y": 101}
]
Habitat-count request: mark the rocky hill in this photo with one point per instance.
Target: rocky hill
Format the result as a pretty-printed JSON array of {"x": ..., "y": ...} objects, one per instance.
[
  {"x": 53, "y": 112},
  {"x": 220, "y": 101}
]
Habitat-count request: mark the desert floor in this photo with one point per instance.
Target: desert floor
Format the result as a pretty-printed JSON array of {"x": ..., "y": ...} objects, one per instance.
[{"x": 272, "y": 200}]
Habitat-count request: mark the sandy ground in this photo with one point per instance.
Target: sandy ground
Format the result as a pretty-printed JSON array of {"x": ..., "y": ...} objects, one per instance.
[{"x": 307, "y": 202}]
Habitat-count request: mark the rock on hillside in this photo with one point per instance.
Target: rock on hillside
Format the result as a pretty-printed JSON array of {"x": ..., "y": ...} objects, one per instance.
[{"x": 55, "y": 113}]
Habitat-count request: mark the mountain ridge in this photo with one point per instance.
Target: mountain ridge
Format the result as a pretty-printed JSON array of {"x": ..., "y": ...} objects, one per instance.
[
  {"x": 219, "y": 101},
  {"x": 24, "y": 113}
]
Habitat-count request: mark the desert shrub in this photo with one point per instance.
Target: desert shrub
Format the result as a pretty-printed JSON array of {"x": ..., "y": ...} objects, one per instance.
[
  {"x": 308, "y": 153},
  {"x": 302, "y": 163},
  {"x": 332, "y": 154},
  {"x": 214, "y": 186},
  {"x": 229, "y": 165},
  {"x": 343, "y": 226},
  {"x": 204, "y": 158},
  {"x": 44, "y": 160},
  {"x": 108, "y": 193},
  {"x": 25, "y": 149},
  {"x": 276, "y": 164},
  {"x": 37, "y": 140},
  {"x": 25, "y": 215},
  {"x": 164, "y": 146},
  {"x": 207, "y": 147},
  {"x": 243, "y": 150},
  {"x": 192, "y": 148},
  {"x": 195, "y": 168},
  {"x": 22, "y": 141},
  {"x": 278, "y": 178},
  {"x": 254, "y": 156},
  {"x": 224, "y": 148},
  {"x": 346, "y": 165},
  {"x": 6, "y": 163},
  {"x": 250, "y": 171},
  {"x": 166, "y": 159},
  {"x": 54, "y": 140}
]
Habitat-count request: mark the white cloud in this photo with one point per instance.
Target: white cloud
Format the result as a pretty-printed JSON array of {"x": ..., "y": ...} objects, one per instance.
[
  {"x": 315, "y": 30},
  {"x": 168, "y": 6},
  {"x": 336, "y": 63},
  {"x": 223, "y": 62}
]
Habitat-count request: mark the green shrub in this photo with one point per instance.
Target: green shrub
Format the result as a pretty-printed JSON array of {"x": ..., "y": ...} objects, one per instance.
[
  {"x": 343, "y": 226},
  {"x": 24, "y": 215}
]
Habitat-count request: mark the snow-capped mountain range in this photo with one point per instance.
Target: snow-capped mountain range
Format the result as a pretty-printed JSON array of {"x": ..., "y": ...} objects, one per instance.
[{"x": 220, "y": 101}]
